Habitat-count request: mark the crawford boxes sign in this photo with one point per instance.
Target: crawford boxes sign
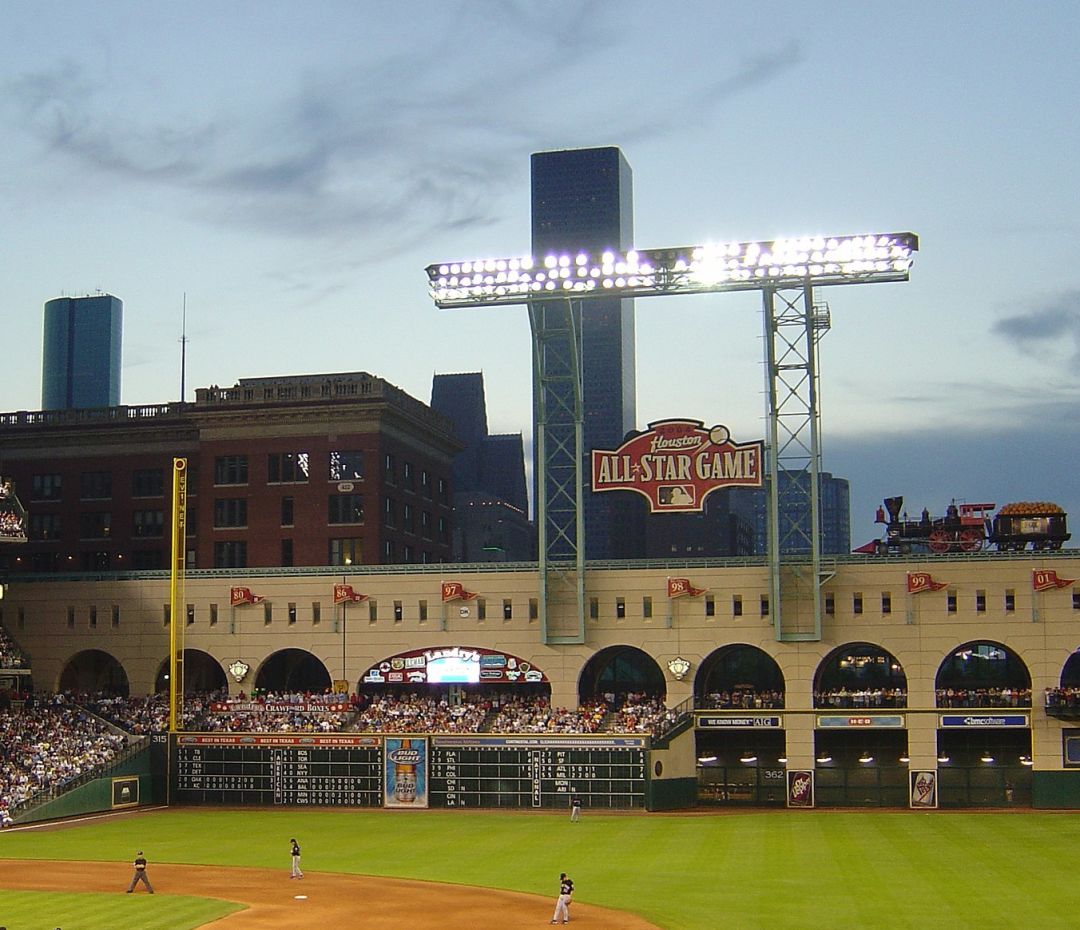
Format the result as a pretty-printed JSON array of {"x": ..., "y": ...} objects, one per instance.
[{"x": 676, "y": 464}]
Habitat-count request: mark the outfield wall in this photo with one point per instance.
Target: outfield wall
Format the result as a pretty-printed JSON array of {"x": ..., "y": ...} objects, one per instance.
[{"x": 986, "y": 597}]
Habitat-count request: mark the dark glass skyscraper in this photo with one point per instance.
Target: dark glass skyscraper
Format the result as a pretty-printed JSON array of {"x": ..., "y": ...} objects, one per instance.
[
  {"x": 583, "y": 199},
  {"x": 81, "y": 352}
]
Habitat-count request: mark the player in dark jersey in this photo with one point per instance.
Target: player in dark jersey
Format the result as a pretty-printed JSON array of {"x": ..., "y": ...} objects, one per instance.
[
  {"x": 140, "y": 874},
  {"x": 296, "y": 873},
  {"x": 562, "y": 905}
]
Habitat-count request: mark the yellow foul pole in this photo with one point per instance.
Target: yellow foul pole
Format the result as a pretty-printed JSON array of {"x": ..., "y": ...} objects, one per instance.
[{"x": 177, "y": 609}]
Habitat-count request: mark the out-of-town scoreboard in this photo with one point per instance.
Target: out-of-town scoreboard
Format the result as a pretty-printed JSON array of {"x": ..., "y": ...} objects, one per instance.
[{"x": 450, "y": 771}]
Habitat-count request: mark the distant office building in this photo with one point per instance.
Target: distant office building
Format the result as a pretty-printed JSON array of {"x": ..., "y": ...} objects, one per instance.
[
  {"x": 491, "y": 505},
  {"x": 308, "y": 470},
  {"x": 81, "y": 352},
  {"x": 834, "y": 508},
  {"x": 583, "y": 199},
  {"x": 724, "y": 528}
]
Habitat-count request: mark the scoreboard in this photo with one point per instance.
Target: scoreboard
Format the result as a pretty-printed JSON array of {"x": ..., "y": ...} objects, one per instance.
[
  {"x": 350, "y": 770},
  {"x": 522, "y": 771},
  {"x": 264, "y": 769}
]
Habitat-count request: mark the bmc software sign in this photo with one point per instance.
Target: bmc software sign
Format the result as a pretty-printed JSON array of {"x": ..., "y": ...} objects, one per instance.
[{"x": 676, "y": 464}]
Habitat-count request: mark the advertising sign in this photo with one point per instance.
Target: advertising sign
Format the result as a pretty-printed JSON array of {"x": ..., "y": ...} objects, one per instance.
[
  {"x": 924, "y": 788},
  {"x": 710, "y": 722},
  {"x": 453, "y": 665},
  {"x": 676, "y": 464},
  {"x": 800, "y": 788},
  {"x": 890, "y": 721},
  {"x": 984, "y": 720},
  {"x": 405, "y": 780}
]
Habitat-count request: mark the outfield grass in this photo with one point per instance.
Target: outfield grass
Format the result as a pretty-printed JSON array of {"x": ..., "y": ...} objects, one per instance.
[{"x": 738, "y": 871}]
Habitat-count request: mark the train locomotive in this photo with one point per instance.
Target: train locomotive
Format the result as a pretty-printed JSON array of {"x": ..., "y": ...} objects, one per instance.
[{"x": 969, "y": 527}]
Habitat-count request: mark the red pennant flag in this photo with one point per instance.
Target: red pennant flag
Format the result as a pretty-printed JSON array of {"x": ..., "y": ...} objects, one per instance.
[
  {"x": 917, "y": 582},
  {"x": 344, "y": 594},
  {"x": 455, "y": 591},
  {"x": 240, "y": 596},
  {"x": 679, "y": 587},
  {"x": 1046, "y": 579}
]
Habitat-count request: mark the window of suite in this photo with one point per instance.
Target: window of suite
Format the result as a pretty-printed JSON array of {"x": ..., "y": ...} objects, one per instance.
[
  {"x": 287, "y": 468},
  {"x": 347, "y": 465},
  {"x": 231, "y": 469}
]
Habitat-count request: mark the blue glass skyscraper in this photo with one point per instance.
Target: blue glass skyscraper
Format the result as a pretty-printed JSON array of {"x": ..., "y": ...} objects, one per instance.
[
  {"x": 583, "y": 199},
  {"x": 81, "y": 352}
]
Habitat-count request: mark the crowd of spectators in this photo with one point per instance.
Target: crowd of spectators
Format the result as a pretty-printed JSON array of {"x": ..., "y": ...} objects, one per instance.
[
  {"x": 744, "y": 699},
  {"x": 862, "y": 698},
  {"x": 46, "y": 745},
  {"x": 534, "y": 714},
  {"x": 415, "y": 712},
  {"x": 641, "y": 713},
  {"x": 269, "y": 712},
  {"x": 1062, "y": 697},
  {"x": 983, "y": 697},
  {"x": 11, "y": 656}
]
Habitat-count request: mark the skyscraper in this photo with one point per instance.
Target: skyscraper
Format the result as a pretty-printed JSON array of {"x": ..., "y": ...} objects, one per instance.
[
  {"x": 81, "y": 352},
  {"x": 583, "y": 199},
  {"x": 491, "y": 506}
]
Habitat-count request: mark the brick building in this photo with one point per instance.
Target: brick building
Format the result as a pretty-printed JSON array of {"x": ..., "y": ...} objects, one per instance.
[{"x": 313, "y": 470}]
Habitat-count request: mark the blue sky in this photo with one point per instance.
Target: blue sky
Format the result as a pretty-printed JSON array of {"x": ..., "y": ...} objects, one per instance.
[{"x": 292, "y": 168}]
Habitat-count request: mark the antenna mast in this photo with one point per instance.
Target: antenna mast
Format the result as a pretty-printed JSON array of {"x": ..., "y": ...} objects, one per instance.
[{"x": 183, "y": 350}]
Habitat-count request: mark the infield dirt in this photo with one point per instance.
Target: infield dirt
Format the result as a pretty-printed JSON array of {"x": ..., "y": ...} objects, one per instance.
[{"x": 332, "y": 899}]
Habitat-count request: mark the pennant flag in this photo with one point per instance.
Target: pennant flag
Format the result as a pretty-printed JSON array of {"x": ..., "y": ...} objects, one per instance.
[
  {"x": 1046, "y": 579},
  {"x": 678, "y": 587},
  {"x": 455, "y": 591},
  {"x": 239, "y": 596},
  {"x": 917, "y": 582},
  {"x": 344, "y": 594}
]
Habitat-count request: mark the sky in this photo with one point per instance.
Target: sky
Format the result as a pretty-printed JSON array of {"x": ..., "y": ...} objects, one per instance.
[{"x": 287, "y": 171}]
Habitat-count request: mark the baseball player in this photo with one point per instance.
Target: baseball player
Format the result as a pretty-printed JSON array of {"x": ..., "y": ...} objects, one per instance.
[
  {"x": 296, "y": 873},
  {"x": 140, "y": 874},
  {"x": 575, "y": 807},
  {"x": 562, "y": 905}
]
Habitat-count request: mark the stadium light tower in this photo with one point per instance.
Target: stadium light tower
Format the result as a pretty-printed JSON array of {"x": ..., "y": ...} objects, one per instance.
[{"x": 557, "y": 287}]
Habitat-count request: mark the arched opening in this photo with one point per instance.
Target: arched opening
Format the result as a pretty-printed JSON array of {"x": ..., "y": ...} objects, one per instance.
[
  {"x": 615, "y": 673},
  {"x": 739, "y": 676},
  {"x": 860, "y": 675},
  {"x": 741, "y": 748},
  {"x": 983, "y": 674},
  {"x": 202, "y": 674},
  {"x": 292, "y": 670},
  {"x": 984, "y": 759},
  {"x": 94, "y": 671}
]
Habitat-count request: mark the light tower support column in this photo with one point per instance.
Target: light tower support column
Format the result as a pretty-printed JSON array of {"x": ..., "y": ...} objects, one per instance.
[
  {"x": 793, "y": 327},
  {"x": 557, "y": 413}
]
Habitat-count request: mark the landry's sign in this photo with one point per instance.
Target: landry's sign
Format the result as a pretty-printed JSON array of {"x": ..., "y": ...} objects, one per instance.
[{"x": 676, "y": 464}]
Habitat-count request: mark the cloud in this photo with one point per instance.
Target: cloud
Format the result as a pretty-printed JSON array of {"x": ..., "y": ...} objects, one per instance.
[
  {"x": 403, "y": 141},
  {"x": 1051, "y": 331}
]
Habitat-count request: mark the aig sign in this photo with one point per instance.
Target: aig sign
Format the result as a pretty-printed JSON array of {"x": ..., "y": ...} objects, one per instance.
[{"x": 676, "y": 464}]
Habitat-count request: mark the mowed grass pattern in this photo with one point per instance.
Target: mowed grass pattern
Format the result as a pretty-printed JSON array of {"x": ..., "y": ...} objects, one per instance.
[{"x": 740, "y": 871}]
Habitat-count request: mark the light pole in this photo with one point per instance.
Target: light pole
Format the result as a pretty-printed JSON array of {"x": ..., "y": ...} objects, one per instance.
[{"x": 557, "y": 288}]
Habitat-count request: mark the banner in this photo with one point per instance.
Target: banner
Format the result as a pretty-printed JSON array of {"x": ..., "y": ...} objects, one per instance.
[
  {"x": 455, "y": 591},
  {"x": 924, "y": 789},
  {"x": 1046, "y": 579},
  {"x": 800, "y": 788},
  {"x": 678, "y": 587},
  {"x": 405, "y": 773},
  {"x": 240, "y": 596},
  {"x": 917, "y": 582},
  {"x": 677, "y": 463},
  {"x": 344, "y": 594}
]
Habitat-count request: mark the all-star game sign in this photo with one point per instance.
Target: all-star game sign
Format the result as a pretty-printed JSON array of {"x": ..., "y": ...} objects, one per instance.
[{"x": 676, "y": 464}]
